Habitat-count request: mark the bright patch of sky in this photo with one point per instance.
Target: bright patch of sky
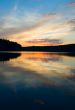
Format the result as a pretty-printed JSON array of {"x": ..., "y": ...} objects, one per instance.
[{"x": 28, "y": 20}]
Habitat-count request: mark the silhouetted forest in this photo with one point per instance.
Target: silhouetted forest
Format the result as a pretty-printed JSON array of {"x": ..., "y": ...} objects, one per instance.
[
  {"x": 60, "y": 48},
  {"x": 6, "y": 45}
]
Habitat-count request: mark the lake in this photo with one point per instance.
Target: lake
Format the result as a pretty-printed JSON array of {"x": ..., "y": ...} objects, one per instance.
[{"x": 37, "y": 81}]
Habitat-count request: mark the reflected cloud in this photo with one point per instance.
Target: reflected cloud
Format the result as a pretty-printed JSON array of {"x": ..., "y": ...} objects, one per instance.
[{"x": 34, "y": 69}]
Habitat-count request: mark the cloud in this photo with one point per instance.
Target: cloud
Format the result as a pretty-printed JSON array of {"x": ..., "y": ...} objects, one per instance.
[
  {"x": 72, "y": 24},
  {"x": 13, "y": 23},
  {"x": 31, "y": 25},
  {"x": 42, "y": 30},
  {"x": 71, "y": 4},
  {"x": 15, "y": 8},
  {"x": 72, "y": 21},
  {"x": 44, "y": 42},
  {"x": 36, "y": 34}
]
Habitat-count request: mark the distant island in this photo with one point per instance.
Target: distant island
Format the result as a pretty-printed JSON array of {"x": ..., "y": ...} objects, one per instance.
[{"x": 6, "y": 45}]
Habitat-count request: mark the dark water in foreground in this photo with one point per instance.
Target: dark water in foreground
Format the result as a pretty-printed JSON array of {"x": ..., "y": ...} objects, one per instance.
[{"x": 37, "y": 81}]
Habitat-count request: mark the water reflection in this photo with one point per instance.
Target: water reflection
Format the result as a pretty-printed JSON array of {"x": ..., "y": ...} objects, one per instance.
[
  {"x": 48, "y": 67},
  {"x": 39, "y": 72},
  {"x": 6, "y": 56}
]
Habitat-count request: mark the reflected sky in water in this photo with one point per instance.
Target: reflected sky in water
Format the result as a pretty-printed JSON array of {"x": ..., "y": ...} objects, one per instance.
[
  {"x": 33, "y": 71},
  {"x": 34, "y": 67}
]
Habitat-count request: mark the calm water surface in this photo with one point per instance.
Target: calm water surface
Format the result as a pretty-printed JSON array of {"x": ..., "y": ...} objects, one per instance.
[{"x": 37, "y": 81}]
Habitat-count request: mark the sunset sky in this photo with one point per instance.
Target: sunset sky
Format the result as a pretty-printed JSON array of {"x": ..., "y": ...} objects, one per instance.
[{"x": 38, "y": 22}]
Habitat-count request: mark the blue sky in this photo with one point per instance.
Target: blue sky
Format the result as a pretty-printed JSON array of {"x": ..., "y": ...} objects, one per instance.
[
  {"x": 45, "y": 5},
  {"x": 33, "y": 20}
]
